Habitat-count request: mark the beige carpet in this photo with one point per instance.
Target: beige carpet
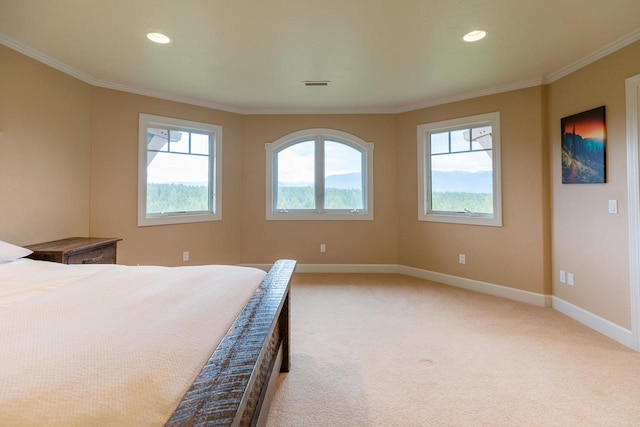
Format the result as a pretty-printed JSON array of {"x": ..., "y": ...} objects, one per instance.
[{"x": 390, "y": 350}]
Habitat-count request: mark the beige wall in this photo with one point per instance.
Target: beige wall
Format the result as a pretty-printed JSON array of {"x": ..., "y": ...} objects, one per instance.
[
  {"x": 347, "y": 242},
  {"x": 587, "y": 240},
  {"x": 243, "y": 236},
  {"x": 45, "y": 145},
  {"x": 514, "y": 255},
  {"x": 68, "y": 166},
  {"x": 114, "y": 188}
]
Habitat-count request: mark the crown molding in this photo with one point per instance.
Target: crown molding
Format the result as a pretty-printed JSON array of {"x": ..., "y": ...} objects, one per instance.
[
  {"x": 550, "y": 78},
  {"x": 593, "y": 57},
  {"x": 470, "y": 95},
  {"x": 167, "y": 96},
  {"x": 47, "y": 60}
]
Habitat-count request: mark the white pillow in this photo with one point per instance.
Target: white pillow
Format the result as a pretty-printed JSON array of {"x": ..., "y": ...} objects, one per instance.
[{"x": 9, "y": 252}]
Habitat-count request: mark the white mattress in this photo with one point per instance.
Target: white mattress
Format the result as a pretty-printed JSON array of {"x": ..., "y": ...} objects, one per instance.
[{"x": 109, "y": 344}]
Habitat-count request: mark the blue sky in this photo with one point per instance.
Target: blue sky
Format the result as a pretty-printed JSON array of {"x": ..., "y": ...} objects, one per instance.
[{"x": 296, "y": 163}]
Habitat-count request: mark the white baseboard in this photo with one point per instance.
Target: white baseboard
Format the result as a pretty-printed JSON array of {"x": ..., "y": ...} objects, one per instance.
[
  {"x": 604, "y": 326},
  {"x": 347, "y": 268},
  {"x": 336, "y": 268},
  {"x": 593, "y": 321},
  {"x": 459, "y": 282},
  {"x": 478, "y": 286}
]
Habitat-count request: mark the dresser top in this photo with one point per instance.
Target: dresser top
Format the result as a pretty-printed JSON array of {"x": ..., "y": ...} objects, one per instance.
[{"x": 73, "y": 244}]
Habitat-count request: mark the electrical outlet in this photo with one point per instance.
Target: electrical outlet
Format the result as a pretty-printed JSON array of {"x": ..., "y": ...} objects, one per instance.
[
  {"x": 570, "y": 279},
  {"x": 323, "y": 248},
  {"x": 185, "y": 256},
  {"x": 462, "y": 259},
  {"x": 563, "y": 276}
]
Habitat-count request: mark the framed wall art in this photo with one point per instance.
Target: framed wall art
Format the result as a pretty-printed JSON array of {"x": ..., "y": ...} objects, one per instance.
[{"x": 584, "y": 147}]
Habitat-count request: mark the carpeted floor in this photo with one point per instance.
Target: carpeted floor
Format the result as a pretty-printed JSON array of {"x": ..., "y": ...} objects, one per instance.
[{"x": 391, "y": 350}]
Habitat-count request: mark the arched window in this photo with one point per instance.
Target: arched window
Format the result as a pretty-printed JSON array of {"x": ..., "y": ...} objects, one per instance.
[{"x": 319, "y": 174}]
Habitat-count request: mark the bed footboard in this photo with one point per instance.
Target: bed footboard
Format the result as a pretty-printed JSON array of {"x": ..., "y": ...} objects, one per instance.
[{"x": 233, "y": 386}]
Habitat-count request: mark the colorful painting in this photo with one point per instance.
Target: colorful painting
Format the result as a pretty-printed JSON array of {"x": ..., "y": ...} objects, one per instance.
[{"x": 583, "y": 147}]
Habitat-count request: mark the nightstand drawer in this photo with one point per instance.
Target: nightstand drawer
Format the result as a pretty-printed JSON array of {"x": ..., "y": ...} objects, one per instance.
[{"x": 106, "y": 255}]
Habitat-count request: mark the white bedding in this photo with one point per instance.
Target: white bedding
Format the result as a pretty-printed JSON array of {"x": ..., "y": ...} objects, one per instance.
[{"x": 109, "y": 344}]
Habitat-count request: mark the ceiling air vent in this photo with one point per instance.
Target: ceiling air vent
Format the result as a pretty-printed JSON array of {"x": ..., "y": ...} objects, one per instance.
[{"x": 316, "y": 83}]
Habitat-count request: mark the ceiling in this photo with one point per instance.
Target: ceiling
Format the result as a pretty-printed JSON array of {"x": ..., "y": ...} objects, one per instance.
[{"x": 251, "y": 56}]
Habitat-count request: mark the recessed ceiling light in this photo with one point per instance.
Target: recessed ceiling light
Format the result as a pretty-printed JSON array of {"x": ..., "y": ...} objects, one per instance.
[
  {"x": 158, "y": 38},
  {"x": 474, "y": 36}
]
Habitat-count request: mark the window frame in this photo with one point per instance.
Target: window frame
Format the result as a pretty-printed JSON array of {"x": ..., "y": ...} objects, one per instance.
[
  {"x": 424, "y": 171},
  {"x": 214, "y": 213},
  {"x": 319, "y": 134}
]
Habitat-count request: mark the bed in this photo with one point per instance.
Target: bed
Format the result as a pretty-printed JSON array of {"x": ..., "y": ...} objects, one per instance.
[{"x": 119, "y": 345}]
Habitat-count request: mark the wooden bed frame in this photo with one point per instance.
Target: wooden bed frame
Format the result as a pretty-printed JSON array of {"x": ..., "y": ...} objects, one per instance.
[{"x": 235, "y": 386}]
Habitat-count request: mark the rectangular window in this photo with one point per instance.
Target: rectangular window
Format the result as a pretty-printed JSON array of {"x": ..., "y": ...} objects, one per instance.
[
  {"x": 459, "y": 170},
  {"x": 178, "y": 172}
]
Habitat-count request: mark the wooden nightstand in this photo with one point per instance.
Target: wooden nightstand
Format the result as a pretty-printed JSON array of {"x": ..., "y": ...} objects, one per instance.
[{"x": 77, "y": 250}]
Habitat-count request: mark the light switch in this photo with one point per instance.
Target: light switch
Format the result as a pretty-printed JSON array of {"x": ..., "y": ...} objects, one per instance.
[{"x": 613, "y": 206}]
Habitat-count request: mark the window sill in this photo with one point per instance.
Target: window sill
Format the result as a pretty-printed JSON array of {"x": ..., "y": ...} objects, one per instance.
[
  {"x": 307, "y": 216},
  {"x": 462, "y": 219},
  {"x": 178, "y": 219}
]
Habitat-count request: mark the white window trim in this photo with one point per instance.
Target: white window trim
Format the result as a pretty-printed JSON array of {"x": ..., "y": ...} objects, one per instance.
[
  {"x": 304, "y": 135},
  {"x": 146, "y": 120},
  {"x": 424, "y": 167}
]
